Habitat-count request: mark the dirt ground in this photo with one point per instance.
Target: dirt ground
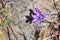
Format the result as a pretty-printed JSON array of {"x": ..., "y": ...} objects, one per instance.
[{"x": 19, "y": 29}]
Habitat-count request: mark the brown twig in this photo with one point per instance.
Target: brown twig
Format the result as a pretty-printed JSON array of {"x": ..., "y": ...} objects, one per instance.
[
  {"x": 55, "y": 5},
  {"x": 36, "y": 34},
  {"x": 23, "y": 32},
  {"x": 3, "y": 5},
  {"x": 45, "y": 21},
  {"x": 8, "y": 33},
  {"x": 12, "y": 31}
]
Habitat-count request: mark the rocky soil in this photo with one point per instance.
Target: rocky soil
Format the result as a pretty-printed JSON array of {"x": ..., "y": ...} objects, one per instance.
[{"x": 19, "y": 29}]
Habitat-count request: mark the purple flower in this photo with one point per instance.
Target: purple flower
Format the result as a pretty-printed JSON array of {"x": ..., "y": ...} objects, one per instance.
[{"x": 39, "y": 16}]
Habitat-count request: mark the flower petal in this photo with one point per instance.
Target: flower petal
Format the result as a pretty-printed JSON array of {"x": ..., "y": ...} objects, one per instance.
[
  {"x": 36, "y": 21},
  {"x": 46, "y": 15},
  {"x": 34, "y": 16},
  {"x": 41, "y": 17},
  {"x": 38, "y": 12}
]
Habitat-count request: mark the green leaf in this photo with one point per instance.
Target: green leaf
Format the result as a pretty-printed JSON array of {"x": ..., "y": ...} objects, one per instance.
[
  {"x": 10, "y": 20},
  {"x": 6, "y": 22}
]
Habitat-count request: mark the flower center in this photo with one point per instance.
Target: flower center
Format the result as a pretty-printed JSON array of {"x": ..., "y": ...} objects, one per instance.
[{"x": 41, "y": 17}]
